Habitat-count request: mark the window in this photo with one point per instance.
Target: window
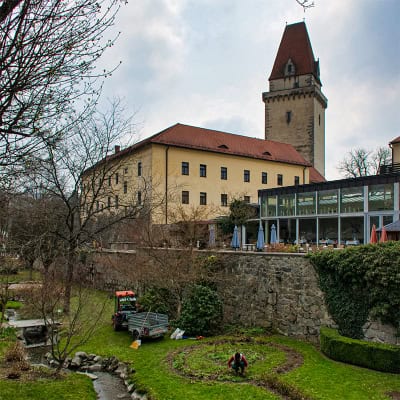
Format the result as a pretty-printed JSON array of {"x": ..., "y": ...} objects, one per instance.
[
  {"x": 246, "y": 175},
  {"x": 297, "y": 180},
  {"x": 246, "y": 199},
  {"x": 185, "y": 197},
  {"x": 116, "y": 178},
  {"x": 109, "y": 180},
  {"x": 126, "y": 170},
  {"x": 279, "y": 179},
  {"x": 203, "y": 170},
  {"x": 224, "y": 200},
  {"x": 125, "y": 187},
  {"x": 97, "y": 205},
  {"x": 203, "y": 198},
  {"x": 139, "y": 168},
  {"x": 264, "y": 178},
  {"x": 108, "y": 201},
  {"x": 319, "y": 119},
  {"x": 288, "y": 116},
  {"x": 116, "y": 201},
  {"x": 224, "y": 173},
  {"x": 185, "y": 168},
  {"x": 139, "y": 197}
]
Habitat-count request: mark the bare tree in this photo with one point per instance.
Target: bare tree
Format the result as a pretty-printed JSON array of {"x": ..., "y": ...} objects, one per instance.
[
  {"x": 86, "y": 182},
  {"x": 48, "y": 54},
  {"x": 362, "y": 162}
]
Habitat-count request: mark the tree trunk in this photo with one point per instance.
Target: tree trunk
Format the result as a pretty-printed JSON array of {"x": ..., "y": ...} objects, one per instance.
[{"x": 69, "y": 280}]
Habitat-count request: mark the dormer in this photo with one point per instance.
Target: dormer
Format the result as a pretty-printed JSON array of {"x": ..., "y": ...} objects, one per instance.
[{"x": 290, "y": 69}]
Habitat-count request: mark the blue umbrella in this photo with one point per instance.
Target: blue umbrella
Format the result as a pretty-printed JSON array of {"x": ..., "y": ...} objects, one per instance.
[
  {"x": 260, "y": 238},
  {"x": 235, "y": 243},
  {"x": 273, "y": 239},
  {"x": 211, "y": 239}
]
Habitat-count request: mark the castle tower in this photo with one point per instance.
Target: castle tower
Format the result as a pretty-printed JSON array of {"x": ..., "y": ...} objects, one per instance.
[{"x": 295, "y": 105}]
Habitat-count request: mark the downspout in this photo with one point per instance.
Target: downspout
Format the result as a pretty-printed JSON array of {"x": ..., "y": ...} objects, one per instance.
[
  {"x": 166, "y": 185},
  {"x": 304, "y": 175}
]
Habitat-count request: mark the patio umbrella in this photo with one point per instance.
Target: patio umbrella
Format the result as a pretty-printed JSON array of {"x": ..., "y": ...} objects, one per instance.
[
  {"x": 273, "y": 240},
  {"x": 260, "y": 238},
  {"x": 235, "y": 243},
  {"x": 374, "y": 237},
  {"x": 211, "y": 239},
  {"x": 384, "y": 237}
]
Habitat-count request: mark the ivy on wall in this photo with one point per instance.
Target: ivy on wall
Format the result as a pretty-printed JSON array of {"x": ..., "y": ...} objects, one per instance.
[{"x": 359, "y": 282}]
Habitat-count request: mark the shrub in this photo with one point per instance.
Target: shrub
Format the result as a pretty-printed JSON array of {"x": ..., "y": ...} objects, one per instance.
[
  {"x": 201, "y": 312},
  {"x": 359, "y": 282},
  {"x": 377, "y": 356}
]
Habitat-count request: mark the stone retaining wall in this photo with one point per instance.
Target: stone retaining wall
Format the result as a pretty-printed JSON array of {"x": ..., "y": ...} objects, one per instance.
[{"x": 272, "y": 290}]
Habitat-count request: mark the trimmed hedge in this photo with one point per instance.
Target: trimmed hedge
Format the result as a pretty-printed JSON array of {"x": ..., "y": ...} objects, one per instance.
[{"x": 377, "y": 356}]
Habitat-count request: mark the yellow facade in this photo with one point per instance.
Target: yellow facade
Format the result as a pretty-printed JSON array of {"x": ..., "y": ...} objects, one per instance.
[{"x": 160, "y": 182}]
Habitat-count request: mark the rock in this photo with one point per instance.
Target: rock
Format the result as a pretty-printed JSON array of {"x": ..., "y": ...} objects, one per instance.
[
  {"x": 81, "y": 354},
  {"x": 94, "y": 368},
  {"x": 130, "y": 388},
  {"x": 91, "y": 357},
  {"x": 123, "y": 396},
  {"x": 93, "y": 377},
  {"x": 98, "y": 359},
  {"x": 76, "y": 362}
]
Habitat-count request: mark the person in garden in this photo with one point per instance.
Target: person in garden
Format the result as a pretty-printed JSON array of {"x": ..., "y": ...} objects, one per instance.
[{"x": 238, "y": 361}]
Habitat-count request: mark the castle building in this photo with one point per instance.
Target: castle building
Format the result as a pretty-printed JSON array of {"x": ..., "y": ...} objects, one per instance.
[{"x": 295, "y": 105}]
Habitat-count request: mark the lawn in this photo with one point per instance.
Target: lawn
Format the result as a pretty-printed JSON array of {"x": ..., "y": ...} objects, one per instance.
[{"x": 196, "y": 370}]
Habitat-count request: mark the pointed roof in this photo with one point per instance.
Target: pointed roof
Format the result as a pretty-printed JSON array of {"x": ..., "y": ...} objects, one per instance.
[
  {"x": 192, "y": 137},
  {"x": 296, "y": 46},
  {"x": 394, "y": 141}
]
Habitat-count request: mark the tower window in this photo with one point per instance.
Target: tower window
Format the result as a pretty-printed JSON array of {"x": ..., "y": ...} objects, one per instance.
[
  {"x": 288, "y": 116},
  {"x": 319, "y": 119},
  {"x": 125, "y": 187},
  {"x": 139, "y": 198},
  {"x": 139, "y": 168}
]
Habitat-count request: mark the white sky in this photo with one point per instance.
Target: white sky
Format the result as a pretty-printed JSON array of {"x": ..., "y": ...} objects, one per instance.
[{"x": 207, "y": 62}]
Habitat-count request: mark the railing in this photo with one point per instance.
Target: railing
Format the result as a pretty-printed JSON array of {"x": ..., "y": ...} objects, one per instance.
[{"x": 393, "y": 168}]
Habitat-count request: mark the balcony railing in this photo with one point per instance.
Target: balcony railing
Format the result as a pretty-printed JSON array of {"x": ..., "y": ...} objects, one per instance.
[{"x": 393, "y": 168}]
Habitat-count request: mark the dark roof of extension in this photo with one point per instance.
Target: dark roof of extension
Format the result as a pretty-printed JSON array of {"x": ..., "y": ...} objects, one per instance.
[
  {"x": 296, "y": 45},
  {"x": 191, "y": 137}
]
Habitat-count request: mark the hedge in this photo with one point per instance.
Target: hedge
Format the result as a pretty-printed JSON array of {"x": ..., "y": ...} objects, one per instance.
[{"x": 377, "y": 356}]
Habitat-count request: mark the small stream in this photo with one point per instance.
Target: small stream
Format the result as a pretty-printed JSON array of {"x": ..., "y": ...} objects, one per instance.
[{"x": 107, "y": 386}]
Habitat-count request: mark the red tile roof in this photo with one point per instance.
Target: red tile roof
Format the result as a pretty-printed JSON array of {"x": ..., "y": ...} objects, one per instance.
[
  {"x": 192, "y": 137},
  {"x": 315, "y": 176},
  {"x": 296, "y": 45}
]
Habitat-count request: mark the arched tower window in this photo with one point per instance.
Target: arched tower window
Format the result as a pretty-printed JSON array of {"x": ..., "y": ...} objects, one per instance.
[{"x": 290, "y": 68}]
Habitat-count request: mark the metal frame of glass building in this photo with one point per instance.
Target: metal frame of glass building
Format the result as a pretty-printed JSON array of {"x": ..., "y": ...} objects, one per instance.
[{"x": 335, "y": 212}]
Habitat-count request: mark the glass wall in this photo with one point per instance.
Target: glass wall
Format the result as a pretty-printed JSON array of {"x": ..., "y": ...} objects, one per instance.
[
  {"x": 307, "y": 230},
  {"x": 271, "y": 206},
  {"x": 287, "y": 230},
  {"x": 328, "y": 202},
  {"x": 380, "y": 197},
  {"x": 352, "y": 200},
  {"x": 352, "y": 230},
  {"x": 306, "y": 203},
  {"x": 328, "y": 231},
  {"x": 286, "y": 205}
]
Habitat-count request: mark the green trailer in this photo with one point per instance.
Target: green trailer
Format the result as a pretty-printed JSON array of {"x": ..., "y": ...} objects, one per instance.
[{"x": 147, "y": 325}]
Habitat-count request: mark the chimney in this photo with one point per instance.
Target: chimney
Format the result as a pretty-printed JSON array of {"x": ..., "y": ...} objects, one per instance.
[{"x": 117, "y": 148}]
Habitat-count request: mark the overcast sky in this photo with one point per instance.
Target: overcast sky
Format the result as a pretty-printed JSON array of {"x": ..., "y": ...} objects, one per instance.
[{"x": 207, "y": 62}]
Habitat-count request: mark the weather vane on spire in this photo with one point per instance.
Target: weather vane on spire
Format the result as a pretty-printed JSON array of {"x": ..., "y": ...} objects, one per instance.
[{"x": 305, "y": 4}]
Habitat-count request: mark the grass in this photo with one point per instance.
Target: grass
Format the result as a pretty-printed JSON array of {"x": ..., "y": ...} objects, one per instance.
[{"x": 196, "y": 370}]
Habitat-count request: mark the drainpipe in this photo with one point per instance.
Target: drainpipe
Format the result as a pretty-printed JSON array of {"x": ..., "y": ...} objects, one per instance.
[
  {"x": 166, "y": 185},
  {"x": 304, "y": 175}
]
